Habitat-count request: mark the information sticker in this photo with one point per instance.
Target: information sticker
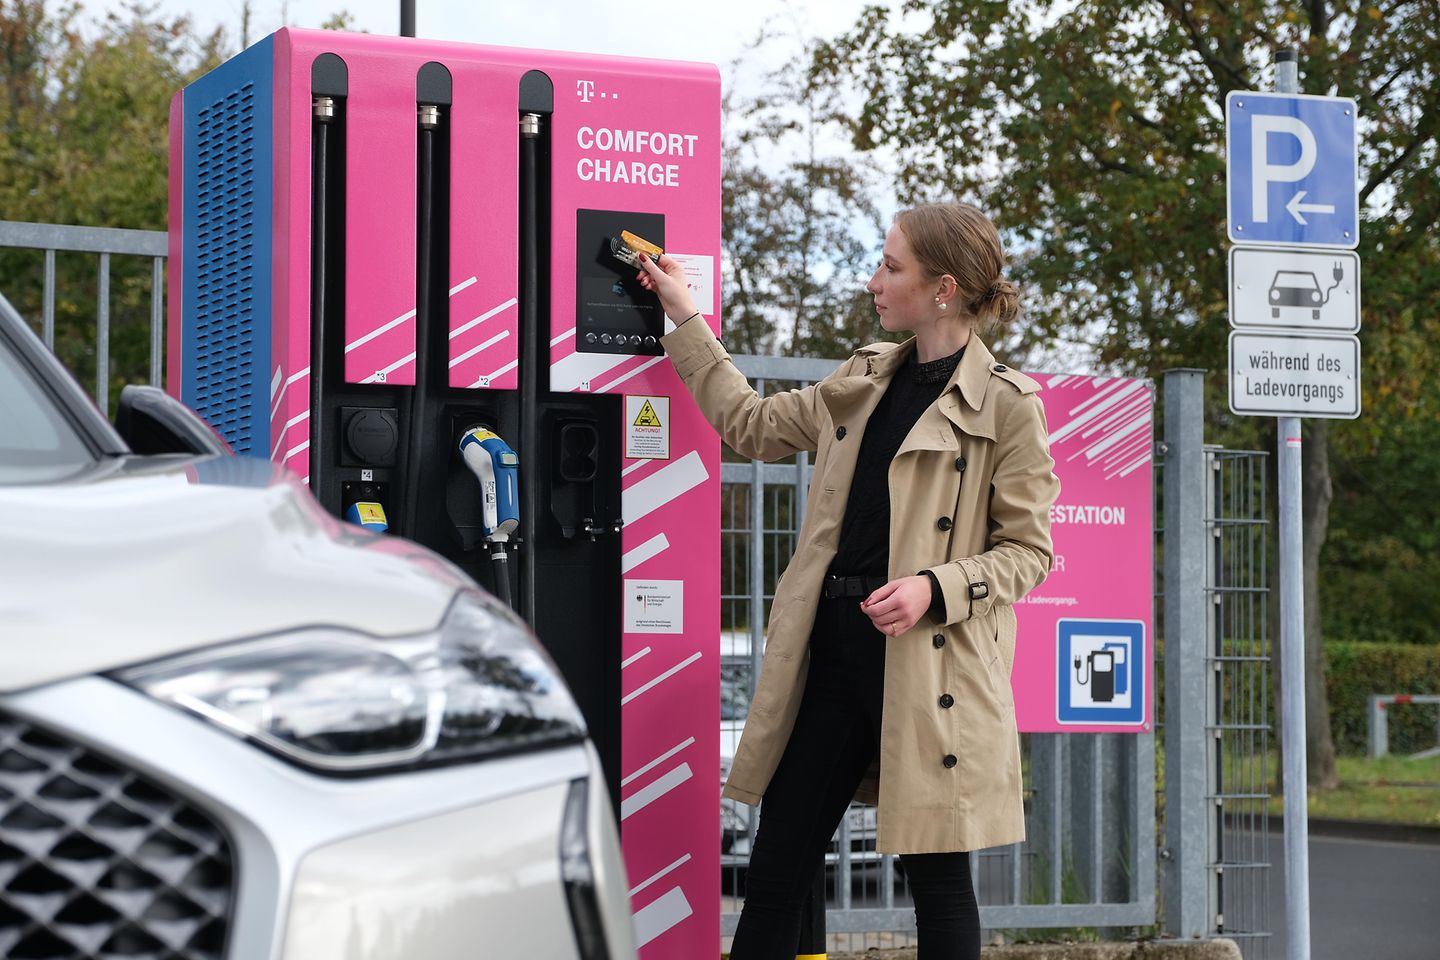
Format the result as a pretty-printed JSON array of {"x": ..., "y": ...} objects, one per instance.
[{"x": 654, "y": 606}]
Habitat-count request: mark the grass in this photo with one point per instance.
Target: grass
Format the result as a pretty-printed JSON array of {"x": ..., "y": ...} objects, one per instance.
[{"x": 1390, "y": 789}]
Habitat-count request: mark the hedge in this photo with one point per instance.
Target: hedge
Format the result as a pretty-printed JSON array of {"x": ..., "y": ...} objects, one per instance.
[{"x": 1355, "y": 671}]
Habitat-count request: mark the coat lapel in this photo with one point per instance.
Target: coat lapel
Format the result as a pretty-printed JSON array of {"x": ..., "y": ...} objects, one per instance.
[{"x": 961, "y": 405}]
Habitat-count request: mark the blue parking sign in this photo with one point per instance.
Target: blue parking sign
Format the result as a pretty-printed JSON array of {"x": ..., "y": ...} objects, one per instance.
[{"x": 1291, "y": 170}]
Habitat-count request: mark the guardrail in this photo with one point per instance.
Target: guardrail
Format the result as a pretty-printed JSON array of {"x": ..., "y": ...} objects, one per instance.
[{"x": 1378, "y": 715}]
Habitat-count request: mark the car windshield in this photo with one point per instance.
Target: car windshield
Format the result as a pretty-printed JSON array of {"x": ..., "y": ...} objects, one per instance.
[
  {"x": 37, "y": 442},
  {"x": 1303, "y": 281}
]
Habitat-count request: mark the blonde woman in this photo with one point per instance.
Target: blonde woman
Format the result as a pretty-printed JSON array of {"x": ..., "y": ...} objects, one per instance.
[{"x": 886, "y": 674}]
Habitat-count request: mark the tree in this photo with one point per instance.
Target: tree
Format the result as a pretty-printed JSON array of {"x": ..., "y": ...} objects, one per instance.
[
  {"x": 1094, "y": 130},
  {"x": 799, "y": 221},
  {"x": 83, "y": 140}
]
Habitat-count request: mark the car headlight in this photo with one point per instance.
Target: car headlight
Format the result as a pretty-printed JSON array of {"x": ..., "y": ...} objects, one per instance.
[{"x": 338, "y": 701}]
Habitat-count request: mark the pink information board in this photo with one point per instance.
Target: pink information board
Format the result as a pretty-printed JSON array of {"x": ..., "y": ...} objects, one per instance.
[{"x": 1084, "y": 654}]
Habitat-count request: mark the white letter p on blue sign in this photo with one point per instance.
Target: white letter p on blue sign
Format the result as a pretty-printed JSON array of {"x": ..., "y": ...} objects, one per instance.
[{"x": 1291, "y": 170}]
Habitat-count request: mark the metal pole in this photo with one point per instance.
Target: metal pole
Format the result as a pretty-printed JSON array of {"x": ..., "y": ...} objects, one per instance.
[
  {"x": 102, "y": 338},
  {"x": 1186, "y": 828},
  {"x": 1292, "y": 645},
  {"x": 407, "y": 18}
]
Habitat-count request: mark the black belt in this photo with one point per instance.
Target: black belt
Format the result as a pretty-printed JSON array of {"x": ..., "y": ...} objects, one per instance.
[{"x": 835, "y": 587}]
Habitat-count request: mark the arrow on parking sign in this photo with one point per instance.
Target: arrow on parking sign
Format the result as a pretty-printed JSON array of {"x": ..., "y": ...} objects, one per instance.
[{"x": 1296, "y": 208}]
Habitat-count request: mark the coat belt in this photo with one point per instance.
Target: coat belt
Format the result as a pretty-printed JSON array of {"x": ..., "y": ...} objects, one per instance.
[{"x": 836, "y": 587}]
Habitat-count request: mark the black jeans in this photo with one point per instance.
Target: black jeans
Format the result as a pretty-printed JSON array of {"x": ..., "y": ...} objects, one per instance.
[{"x": 836, "y": 736}]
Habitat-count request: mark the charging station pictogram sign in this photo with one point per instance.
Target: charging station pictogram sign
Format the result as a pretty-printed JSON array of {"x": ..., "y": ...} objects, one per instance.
[{"x": 1101, "y": 671}]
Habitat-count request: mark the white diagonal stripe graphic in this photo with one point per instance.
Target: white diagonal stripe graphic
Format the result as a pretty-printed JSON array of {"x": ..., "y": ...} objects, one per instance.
[
  {"x": 660, "y": 679},
  {"x": 294, "y": 450},
  {"x": 654, "y": 790},
  {"x": 657, "y": 761},
  {"x": 633, "y": 467},
  {"x": 276, "y": 401},
  {"x": 633, "y": 558},
  {"x": 381, "y": 329},
  {"x": 1095, "y": 411},
  {"x": 274, "y": 385},
  {"x": 638, "y": 370},
  {"x": 563, "y": 337},
  {"x": 462, "y": 285},
  {"x": 649, "y": 494},
  {"x": 660, "y": 915},
  {"x": 492, "y": 377},
  {"x": 663, "y": 871},
  {"x": 483, "y": 317},
  {"x": 635, "y": 656},
  {"x": 1100, "y": 391},
  {"x": 286, "y": 429},
  {"x": 390, "y": 369},
  {"x": 569, "y": 372},
  {"x": 474, "y": 350}
]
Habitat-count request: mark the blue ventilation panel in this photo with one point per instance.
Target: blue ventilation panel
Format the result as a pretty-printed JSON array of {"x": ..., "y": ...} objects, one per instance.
[{"x": 227, "y": 237}]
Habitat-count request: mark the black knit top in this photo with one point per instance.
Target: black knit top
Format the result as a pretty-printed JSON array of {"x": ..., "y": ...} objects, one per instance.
[{"x": 865, "y": 532}]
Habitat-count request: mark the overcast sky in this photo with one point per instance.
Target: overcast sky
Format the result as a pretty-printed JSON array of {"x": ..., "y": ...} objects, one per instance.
[{"x": 715, "y": 31}]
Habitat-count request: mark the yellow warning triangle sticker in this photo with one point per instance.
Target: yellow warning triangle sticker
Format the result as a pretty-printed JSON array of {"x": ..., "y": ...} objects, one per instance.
[{"x": 647, "y": 417}]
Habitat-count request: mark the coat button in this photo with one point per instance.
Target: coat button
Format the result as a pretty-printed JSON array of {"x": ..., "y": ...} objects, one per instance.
[
  {"x": 960, "y": 464},
  {"x": 947, "y": 701},
  {"x": 840, "y": 433},
  {"x": 1001, "y": 368},
  {"x": 949, "y": 761},
  {"x": 938, "y": 640},
  {"x": 944, "y": 523}
]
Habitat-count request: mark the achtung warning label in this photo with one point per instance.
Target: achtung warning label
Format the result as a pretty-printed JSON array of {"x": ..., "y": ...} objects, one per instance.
[{"x": 647, "y": 428}]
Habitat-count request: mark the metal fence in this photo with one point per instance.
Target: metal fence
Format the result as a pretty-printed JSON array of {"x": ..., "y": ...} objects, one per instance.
[
  {"x": 1091, "y": 803},
  {"x": 103, "y": 243}
]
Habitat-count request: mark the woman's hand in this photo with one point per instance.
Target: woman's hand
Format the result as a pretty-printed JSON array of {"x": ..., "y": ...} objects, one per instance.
[
  {"x": 667, "y": 279},
  {"x": 899, "y": 605}
]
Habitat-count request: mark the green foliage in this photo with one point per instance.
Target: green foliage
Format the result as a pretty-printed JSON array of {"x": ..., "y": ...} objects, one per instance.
[
  {"x": 83, "y": 140},
  {"x": 800, "y": 225},
  {"x": 1355, "y": 671},
  {"x": 1094, "y": 132}
]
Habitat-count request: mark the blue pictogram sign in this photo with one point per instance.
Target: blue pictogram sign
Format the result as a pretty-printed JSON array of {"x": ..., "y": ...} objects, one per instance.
[
  {"x": 1101, "y": 676},
  {"x": 1291, "y": 169}
]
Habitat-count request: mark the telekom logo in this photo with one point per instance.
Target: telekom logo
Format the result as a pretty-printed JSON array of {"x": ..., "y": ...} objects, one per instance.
[{"x": 585, "y": 90}]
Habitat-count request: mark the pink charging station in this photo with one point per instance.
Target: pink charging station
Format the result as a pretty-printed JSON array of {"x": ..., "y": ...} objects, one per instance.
[{"x": 392, "y": 270}]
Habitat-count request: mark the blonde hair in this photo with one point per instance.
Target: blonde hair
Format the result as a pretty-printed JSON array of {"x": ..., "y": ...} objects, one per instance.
[{"x": 956, "y": 238}]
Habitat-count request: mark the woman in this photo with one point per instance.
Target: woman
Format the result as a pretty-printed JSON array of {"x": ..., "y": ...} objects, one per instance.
[{"x": 888, "y": 654}]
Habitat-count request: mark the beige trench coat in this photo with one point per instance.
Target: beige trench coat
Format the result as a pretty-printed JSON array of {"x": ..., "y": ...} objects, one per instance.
[{"x": 970, "y": 494}]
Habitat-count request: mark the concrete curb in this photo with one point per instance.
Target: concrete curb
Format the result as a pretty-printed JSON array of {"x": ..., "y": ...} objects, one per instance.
[
  {"x": 1220, "y": 949},
  {"x": 1366, "y": 830}
]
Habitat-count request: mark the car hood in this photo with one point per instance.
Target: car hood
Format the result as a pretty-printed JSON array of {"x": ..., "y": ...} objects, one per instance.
[{"x": 146, "y": 557}]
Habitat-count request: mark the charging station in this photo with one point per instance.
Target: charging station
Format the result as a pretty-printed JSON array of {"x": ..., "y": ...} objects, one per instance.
[{"x": 392, "y": 272}]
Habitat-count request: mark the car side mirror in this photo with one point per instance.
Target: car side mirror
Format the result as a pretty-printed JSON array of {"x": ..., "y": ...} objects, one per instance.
[{"x": 151, "y": 421}]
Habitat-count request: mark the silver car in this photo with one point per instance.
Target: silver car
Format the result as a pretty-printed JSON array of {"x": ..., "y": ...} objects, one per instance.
[{"x": 233, "y": 727}]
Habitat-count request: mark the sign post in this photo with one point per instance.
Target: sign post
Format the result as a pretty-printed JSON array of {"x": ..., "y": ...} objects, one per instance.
[{"x": 1295, "y": 306}]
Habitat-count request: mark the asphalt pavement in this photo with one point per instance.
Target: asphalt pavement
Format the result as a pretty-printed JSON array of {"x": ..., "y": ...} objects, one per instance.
[{"x": 1369, "y": 900}]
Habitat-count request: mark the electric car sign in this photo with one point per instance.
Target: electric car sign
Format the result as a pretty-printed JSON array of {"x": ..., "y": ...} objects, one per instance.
[
  {"x": 1291, "y": 170},
  {"x": 1101, "y": 671},
  {"x": 1297, "y": 290}
]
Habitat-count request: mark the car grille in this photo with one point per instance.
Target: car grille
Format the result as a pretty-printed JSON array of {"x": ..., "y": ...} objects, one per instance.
[{"x": 97, "y": 861}]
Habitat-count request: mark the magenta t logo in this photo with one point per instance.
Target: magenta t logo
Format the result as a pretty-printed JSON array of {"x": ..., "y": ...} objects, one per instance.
[{"x": 585, "y": 90}]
